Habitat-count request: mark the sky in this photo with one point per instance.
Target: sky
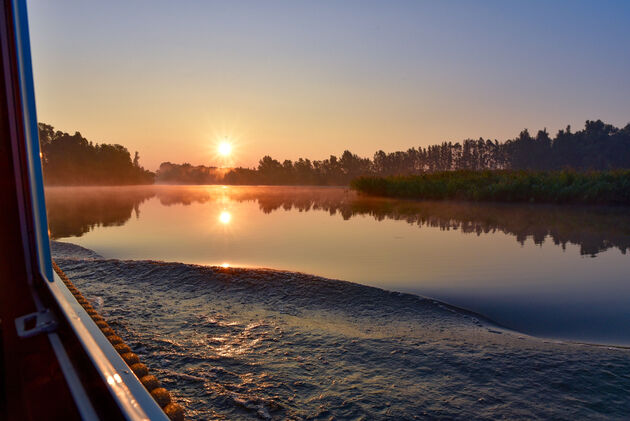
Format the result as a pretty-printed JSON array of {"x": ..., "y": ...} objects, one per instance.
[{"x": 170, "y": 79}]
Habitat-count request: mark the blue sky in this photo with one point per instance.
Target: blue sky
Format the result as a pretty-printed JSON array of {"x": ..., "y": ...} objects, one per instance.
[{"x": 297, "y": 78}]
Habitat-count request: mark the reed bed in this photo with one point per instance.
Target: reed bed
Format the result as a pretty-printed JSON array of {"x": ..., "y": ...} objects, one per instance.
[{"x": 597, "y": 187}]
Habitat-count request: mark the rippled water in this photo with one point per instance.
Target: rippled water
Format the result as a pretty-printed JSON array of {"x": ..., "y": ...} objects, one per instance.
[
  {"x": 553, "y": 271},
  {"x": 263, "y": 344}
]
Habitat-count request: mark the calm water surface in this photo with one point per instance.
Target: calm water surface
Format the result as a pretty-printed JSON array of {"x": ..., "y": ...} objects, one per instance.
[{"x": 552, "y": 271}]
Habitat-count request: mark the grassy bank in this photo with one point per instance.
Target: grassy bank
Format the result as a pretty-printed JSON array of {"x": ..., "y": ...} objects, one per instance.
[{"x": 605, "y": 187}]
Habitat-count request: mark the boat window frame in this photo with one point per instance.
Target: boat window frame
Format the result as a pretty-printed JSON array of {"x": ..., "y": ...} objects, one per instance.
[{"x": 133, "y": 399}]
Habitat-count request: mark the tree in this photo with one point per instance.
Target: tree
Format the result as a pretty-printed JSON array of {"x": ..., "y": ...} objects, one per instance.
[{"x": 73, "y": 160}]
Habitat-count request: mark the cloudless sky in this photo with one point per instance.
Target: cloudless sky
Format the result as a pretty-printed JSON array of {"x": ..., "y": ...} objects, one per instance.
[{"x": 309, "y": 79}]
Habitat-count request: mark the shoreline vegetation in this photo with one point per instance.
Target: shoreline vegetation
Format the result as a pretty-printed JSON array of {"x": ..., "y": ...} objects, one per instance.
[
  {"x": 73, "y": 160},
  {"x": 561, "y": 187},
  {"x": 598, "y": 147}
]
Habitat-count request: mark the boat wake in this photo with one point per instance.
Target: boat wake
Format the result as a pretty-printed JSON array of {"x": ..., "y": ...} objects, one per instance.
[{"x": 235, "y": 343}]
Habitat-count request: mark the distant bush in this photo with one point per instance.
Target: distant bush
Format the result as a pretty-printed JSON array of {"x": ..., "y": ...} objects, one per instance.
[
  {"x": 601, "y": 187},
  {"x": 170, "y": 173}
]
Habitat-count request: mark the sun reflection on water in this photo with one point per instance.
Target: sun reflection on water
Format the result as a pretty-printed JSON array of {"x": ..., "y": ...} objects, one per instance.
[{"x": 225, "y": 217}]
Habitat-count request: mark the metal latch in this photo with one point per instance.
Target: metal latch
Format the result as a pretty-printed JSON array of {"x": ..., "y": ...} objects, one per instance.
[{"x": 35, "y": 323}]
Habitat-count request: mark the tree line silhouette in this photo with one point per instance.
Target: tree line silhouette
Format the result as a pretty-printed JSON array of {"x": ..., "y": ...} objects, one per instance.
[
  {"x": 598, "y": 146},
  {"x": 73, "y": 160}
]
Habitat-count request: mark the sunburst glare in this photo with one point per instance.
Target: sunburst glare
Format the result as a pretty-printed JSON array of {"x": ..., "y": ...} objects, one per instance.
[{"x": 224, "y": 150}]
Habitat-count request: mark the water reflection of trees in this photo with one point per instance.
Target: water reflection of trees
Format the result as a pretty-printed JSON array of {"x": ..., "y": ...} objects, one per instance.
[
  {"x": 73, "y": 212},
  {"x": 593, "y": 229}
]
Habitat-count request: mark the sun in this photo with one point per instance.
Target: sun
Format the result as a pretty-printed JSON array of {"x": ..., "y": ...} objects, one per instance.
[{"x": 225, "y": 148}]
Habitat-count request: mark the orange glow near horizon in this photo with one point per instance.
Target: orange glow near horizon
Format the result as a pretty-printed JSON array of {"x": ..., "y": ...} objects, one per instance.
[{"x": 295, "y": 84}]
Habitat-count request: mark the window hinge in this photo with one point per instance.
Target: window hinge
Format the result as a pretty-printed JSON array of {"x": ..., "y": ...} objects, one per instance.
[{"x": 35, "y": 323}]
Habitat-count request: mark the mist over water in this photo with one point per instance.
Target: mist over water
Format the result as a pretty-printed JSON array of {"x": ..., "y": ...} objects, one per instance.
[{"x": 551, "y": 271}]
